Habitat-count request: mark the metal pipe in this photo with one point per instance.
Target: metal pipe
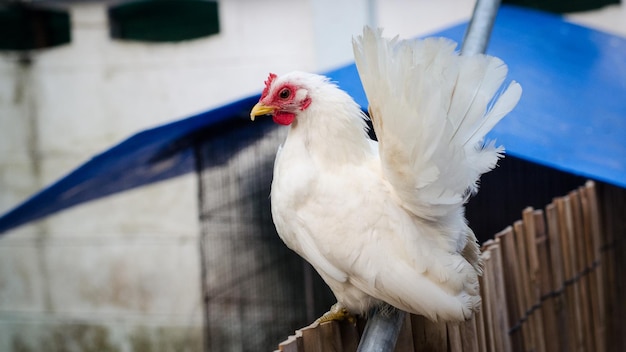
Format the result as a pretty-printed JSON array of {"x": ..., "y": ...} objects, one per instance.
[
  {"x": 480, "y": 27},
  {"x": 382, "y": 329}
]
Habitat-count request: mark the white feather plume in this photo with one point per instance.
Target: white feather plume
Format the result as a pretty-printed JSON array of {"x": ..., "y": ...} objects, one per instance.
[{"x": 430, "y": 113}]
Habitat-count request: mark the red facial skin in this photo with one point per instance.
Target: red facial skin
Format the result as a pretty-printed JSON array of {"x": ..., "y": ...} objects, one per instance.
[{"x": 284, "y": 101}]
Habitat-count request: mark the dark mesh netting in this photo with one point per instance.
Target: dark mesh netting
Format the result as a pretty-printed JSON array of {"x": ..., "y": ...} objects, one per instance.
[{"x": 257, "y": 291}]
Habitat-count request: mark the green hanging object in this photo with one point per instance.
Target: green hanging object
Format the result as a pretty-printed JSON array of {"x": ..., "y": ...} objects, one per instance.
[
  {"x": 163, "y": 20},
  {"x": 24, "y": 27},
  {"x": 561, "y": 6}
]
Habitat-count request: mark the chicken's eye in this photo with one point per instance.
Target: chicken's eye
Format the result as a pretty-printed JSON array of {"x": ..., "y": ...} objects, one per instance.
[{"x": 285, "y": 93}]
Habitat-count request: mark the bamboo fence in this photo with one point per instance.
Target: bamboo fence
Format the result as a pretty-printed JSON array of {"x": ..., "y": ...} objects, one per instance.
[{"x": 553, "y": 281}]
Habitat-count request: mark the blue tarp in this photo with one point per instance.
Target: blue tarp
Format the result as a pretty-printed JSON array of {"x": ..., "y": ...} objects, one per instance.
[{"x": 572, "y": 116}]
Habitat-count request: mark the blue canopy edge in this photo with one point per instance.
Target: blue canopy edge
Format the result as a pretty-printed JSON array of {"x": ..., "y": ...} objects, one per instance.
[{"x": 571, "y": 116}]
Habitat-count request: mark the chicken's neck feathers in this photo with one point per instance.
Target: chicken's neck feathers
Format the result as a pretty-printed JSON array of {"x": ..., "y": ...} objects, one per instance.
[{"x": 332, "y": 129}]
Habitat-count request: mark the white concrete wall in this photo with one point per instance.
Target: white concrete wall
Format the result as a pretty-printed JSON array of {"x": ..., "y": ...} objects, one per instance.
[
  {"x": 122, "y": 271},
  {"x": 125, "y": 270},
  {"x": 610, "y": 19}
]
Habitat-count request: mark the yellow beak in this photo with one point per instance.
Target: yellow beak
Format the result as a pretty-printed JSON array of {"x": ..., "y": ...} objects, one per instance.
[{"x": 260, "y": 109}]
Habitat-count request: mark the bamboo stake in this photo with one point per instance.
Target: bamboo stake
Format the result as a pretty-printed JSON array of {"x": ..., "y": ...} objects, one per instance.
[
  {"x": 581, "y": 280},
  {"x": 487, "y": 293},
  {"x": 500, "y": 315},
  {"x": 405, "y": 337},
  {"x": 609, "y": 262},
  {"x": 311, "y": 339},
  {"x": 512, "y": 281},
  {"x": 481, "y": 336},
  {"x": 547, "y": 310},
  {"x": 534, "y": 278},
  {"x": 572, "y": 295},
  {"x": 427, "y": 335},
  {"x": 528, "y": 328},
  {"x": 454, "y": 337},
  {"x": 591, "y": 268},
  {"x": 292, "y": 344},
  {"x": 349, "y": 336},
  {"x": 596, "y": 237},
  {"x": 330, "y": 338},
  {"x": 469, "y": 336},
  {"x": 557, "y": 275}
]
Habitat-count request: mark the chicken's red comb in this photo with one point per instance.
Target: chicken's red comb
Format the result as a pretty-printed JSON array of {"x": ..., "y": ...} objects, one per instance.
[{"x": 268, "y": 83}]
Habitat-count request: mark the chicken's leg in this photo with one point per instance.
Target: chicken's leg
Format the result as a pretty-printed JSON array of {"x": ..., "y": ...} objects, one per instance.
[{"x": 337, "y": 312}]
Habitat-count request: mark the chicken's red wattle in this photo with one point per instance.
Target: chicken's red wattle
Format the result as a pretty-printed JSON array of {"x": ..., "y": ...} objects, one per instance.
[{"x": 284, "y": 118}]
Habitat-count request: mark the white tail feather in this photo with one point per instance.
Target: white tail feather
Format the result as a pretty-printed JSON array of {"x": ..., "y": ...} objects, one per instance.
[{"x": 430, "y": 111}]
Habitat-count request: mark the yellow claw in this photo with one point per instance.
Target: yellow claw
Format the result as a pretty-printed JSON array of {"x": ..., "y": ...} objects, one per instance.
[
  {"x": 261, "y": 109},
  {"x": 337, "y": 312}
]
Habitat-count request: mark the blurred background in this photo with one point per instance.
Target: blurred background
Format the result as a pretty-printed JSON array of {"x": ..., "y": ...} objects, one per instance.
[{"x": 138, "y": 271}]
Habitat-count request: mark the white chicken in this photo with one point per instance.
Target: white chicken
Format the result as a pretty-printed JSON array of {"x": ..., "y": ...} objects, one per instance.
[{"x": 384, "y": 221}]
